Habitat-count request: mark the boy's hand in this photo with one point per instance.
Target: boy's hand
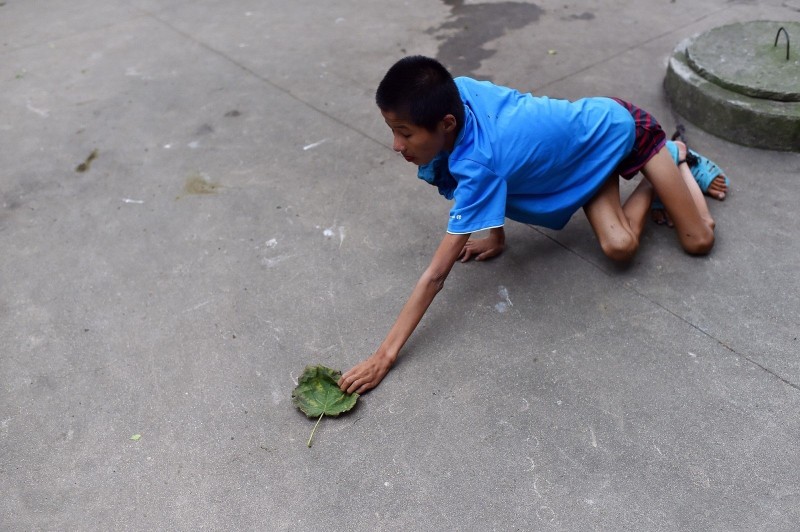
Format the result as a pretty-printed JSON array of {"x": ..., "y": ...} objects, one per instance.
[
  {"x": 484, "y": 248},
  {"x": 365, "y": 375}
]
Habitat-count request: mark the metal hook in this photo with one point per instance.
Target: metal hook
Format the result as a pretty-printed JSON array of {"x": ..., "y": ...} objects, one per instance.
[{"x": 782, "y": 29}]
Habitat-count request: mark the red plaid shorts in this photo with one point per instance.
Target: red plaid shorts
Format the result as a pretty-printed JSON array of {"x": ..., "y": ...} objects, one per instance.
[{"x": 650, "y": 138}]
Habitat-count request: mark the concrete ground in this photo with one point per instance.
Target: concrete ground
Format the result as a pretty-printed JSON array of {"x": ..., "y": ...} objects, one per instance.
[{"x": 243, "y": 215}]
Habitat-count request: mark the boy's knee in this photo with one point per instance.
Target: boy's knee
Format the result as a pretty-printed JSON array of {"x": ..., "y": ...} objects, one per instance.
[
  {"x": 701, "y": 244},
  {"x": 620, "y": 247}
]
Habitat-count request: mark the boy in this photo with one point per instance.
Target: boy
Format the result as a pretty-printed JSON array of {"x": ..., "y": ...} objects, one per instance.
[{"x": 501, "y": 154}]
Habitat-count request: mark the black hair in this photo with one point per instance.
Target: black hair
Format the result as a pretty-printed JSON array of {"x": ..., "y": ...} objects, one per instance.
[{"x": 422, "y": 89}]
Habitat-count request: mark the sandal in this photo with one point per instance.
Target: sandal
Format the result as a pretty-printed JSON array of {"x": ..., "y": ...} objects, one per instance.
[{"x": 703, "y": 169}]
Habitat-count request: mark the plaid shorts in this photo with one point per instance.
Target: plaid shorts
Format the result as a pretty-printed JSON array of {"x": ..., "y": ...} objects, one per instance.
[{"x": 650, "y": 138}]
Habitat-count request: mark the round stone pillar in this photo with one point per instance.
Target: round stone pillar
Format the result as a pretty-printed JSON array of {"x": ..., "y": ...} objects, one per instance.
[{"x": 741, "y": 82}]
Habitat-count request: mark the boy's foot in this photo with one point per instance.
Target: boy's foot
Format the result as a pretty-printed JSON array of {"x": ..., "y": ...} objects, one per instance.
[
  {"x": 718, "y": 188},
  {"x": 706, "y": 173},
  {"x": 659, "y": 214},
  {"x": 702, "y": 168},
  {"x": 709, "y": 176}
]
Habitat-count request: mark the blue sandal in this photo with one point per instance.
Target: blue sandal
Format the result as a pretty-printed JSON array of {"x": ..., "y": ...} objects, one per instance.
[{"x": 703, "y": 169}]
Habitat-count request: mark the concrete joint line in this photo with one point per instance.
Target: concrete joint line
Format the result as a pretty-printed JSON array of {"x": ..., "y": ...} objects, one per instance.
[
  {"x": 630, "y": 288},
  {"x": 263, "y": 79}
]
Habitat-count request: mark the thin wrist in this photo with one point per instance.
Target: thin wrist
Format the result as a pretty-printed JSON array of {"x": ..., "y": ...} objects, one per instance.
[
  {"x": 385, "y": 354},
  {"x": 498, "y": 233}
]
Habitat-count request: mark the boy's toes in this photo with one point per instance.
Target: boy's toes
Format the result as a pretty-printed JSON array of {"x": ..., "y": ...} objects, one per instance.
[
  {"x": 660, "y": 217},
  {"x": 717, "y": 189}
]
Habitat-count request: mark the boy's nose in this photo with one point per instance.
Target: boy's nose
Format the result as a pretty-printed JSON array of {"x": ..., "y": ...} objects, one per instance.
[{"x": 397, "y": 145}]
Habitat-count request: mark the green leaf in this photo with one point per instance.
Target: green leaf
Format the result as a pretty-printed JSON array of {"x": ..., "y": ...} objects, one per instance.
[
  {"x": 136, "y": 437},
  {"x": 317, "y": 394}
]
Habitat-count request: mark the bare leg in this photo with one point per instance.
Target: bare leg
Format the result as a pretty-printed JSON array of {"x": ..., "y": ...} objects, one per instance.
[
  {"x": 683, "y": 201},
  {"x": 717, "y": 189},
  {"x": 618, "y": 227}
]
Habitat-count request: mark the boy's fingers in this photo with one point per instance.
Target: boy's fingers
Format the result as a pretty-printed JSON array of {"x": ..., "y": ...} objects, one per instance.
[
  {"x": 345, "y": 376},
  {"x": 348, "y": 386},
  {"x": 365, "y": 387},
  {"x": 488, "y": 254},
  {"x": 346, "y": 381},
  {"x": 352, "y": 380},
  {"x": 358, "y": 386}
]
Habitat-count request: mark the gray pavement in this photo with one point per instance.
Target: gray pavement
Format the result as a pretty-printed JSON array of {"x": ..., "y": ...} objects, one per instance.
[{"x": 245, "y": 216}]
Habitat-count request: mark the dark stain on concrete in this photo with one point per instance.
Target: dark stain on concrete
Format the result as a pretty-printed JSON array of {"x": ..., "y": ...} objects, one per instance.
[
  {"x": 205, "y": 129},
  {"x": 197, "y": 184},
  {"x": 583, "y": 16},
  {"x": 234, "y": 113},
  {"x": 11, "y": 204},
  {"x": 472, "y": 26},
  {"x": 85, "y": 165}
]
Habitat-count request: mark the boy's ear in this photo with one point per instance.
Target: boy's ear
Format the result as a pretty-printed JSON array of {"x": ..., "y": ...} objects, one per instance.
[{"x": 449, "y": 123}]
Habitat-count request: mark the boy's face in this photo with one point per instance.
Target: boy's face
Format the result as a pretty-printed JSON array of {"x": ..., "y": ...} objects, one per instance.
[{"x": 417, "y": 144}]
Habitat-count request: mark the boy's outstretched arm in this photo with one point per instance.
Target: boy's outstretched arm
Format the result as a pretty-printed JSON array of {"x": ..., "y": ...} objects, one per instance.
[{"x": 369, "y": 373}]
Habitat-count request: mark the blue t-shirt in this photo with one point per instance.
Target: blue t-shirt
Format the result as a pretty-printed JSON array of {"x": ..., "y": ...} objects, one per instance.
[{"x": 535, "y": 160}]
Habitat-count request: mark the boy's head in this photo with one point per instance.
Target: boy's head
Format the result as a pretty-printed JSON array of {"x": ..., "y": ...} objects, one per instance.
[
  {"x": 422, "y": 90},
  {"x": 422, "y": 105}
]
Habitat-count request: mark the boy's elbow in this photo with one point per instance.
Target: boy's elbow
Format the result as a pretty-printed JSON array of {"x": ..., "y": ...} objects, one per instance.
[{"x": 434, "y": 278}]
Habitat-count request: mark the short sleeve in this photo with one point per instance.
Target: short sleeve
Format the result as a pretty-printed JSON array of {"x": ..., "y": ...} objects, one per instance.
[{"x": 480, "y": 198}]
